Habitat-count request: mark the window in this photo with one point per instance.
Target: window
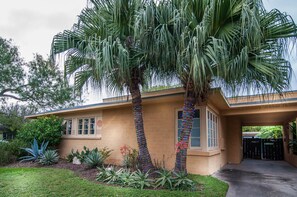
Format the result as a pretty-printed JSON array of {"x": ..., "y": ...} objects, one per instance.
[
  {"x": 195, "y": 134},
  {"x": 86, "y": 126},
  {"x": 212, "y": 130},
  {"x": 68, "y": 127}
]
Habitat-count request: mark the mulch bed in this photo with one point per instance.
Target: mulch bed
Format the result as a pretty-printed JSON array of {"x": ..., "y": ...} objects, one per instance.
[{"x": 80, "y": 170}]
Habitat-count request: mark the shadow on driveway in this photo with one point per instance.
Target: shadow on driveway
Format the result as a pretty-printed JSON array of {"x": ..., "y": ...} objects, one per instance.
[{"x": 260, "y": 178}]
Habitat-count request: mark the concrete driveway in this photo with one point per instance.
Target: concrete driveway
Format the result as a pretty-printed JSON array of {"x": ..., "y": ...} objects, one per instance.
[{"x": 260, "y": 178}]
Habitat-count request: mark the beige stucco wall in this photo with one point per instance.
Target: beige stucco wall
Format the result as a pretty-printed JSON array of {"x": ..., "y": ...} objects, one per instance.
[
  {"x": 160, "y": 121},
  {"x": 290, "y": 157},
  {"x": 234, "y": 140}
]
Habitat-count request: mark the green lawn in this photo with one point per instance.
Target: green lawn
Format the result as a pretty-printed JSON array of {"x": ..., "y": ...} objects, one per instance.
[{"x": 59, "y": 182}]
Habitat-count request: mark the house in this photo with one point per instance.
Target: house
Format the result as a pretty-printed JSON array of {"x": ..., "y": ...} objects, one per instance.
[
  {"x": 5, "y": 134},
  {"x": 216, "y": 136}
]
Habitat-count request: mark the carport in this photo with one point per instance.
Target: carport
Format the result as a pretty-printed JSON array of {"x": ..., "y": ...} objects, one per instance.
[
  {"x": 248, "y": 177},
  {"x": 258, "y": 111}
]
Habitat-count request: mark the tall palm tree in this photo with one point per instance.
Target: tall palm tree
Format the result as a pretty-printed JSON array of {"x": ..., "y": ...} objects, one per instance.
[
  {"x": 106, "y": 48},
  {"x": 236, "y": 44}
]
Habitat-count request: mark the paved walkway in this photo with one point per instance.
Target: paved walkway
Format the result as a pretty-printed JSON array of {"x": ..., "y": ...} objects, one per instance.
[{"x": 260, "y": 178}]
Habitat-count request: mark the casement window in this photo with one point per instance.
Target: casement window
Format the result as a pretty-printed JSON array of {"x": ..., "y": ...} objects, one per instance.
[
  {"x": 67, "y": 127},
  {"x": 212, "y": 130},
  {"x": 86, "y": 126},
  {"x": 195, "y": 134}
]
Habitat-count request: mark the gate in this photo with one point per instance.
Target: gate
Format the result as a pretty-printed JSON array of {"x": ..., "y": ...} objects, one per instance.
[{"x": 270, "y": 149}]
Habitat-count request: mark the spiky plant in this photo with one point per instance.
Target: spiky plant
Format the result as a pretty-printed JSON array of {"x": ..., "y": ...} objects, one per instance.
[
  {"x": 34, "y": 152},
  {"x": 49, "y": 157}
]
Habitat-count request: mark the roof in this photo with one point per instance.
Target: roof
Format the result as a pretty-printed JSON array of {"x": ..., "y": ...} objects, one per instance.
[{"x": 216, "y": 97}]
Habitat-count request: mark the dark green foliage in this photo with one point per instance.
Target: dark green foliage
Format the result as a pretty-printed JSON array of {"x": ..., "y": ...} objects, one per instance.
[
  {"x": 10, "y": 151},
  {"x": 269, "y": 132},
  {"x": 38, "y": 82},
  {"x": 12, "y": 116},
  {"x": 42, "y": 129},
  {"x": 49, "y": 157},
  {"x": 35, "y": 152},
  {"x": 6, "y": 155}
]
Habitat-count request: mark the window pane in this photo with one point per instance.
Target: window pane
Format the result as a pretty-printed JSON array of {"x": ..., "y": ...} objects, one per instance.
[
  {"x": 86, "y": 126},
  {"x": 69, "y": 127},
  {"x": 179, "y": 124},
  {"x": 196, "y": 113},
  {"x": 179, "y": 114},
  {"x": 195, "y": 142},
  {"x": 195, "y": 132},
  {"x": 92, "y": 126},
  {"x": 179, "y": 133},
  {"x": 196, "y": 122},
  {"x": 80, "y": 122}
]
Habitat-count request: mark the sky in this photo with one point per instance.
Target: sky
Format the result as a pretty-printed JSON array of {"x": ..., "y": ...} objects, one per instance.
[{"x": 31, "y": 24}]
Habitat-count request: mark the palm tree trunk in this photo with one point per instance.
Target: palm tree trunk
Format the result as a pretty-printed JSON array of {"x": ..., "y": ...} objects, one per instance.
[
  {"x": 144, "y": 155},
  {"x": 187, "y": 124}
]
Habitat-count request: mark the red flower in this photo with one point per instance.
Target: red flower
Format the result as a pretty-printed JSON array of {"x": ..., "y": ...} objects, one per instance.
[{"x": 181, "y": 145}]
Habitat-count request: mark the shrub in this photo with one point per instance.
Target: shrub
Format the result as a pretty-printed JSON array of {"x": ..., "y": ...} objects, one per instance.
[
  {"x": 94, "y": 159},
  {"x": 182, "y": 182},
  {"x": 6, "y": 155},
  {"x": 165, "y": 179},
  {"x": 10, "y": 151},
  {"x": 34, "y": 152},
  {"x": 49, "y": 157},
  {"x": 130, "y": 157},
  {"x": 42, "y": 129}
]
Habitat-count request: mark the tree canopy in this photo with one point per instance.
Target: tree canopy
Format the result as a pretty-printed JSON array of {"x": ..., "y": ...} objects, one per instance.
[{"x": 37, "y": 82}]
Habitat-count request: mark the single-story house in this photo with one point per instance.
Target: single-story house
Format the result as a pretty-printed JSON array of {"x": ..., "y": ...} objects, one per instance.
[{"x": 216, "y": 136}]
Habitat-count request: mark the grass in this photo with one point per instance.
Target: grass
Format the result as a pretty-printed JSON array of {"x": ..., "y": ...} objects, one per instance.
[{"x": 60, "y": 182}]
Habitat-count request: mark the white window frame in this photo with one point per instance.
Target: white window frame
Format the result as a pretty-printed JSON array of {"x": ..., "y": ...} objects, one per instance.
[
  {"x": 67, "y": 123},
  {"x": 83, "y": 126},
  {"x": 176, "y": 128},
  {"x": 213, "y": 129}
]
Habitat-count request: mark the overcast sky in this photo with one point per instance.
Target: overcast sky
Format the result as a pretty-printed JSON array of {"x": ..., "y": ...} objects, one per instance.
[{"x": 33, "y": 23}]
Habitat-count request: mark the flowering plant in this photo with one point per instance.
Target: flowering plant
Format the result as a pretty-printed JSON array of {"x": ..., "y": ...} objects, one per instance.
[{"x": 130, "y": 156}]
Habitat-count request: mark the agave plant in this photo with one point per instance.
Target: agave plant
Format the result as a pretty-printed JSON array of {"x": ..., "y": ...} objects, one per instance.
[
  {"x": 35, "y": 152},
  {"x": 165, "y": 180},
  {"x": 94, "y": 159},
  {"x": 49, "y": 157},
  {"x": 141, "y": 180},
  {"x": 182, "y": 182}
]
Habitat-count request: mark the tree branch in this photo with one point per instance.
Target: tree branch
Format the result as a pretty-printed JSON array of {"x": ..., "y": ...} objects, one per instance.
[{"x": 13, "y": 97}]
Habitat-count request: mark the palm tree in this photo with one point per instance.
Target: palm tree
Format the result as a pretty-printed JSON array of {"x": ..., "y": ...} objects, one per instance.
[
  {"x": 236, "y": 44},
  {"x": 105, "y": 48}
]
